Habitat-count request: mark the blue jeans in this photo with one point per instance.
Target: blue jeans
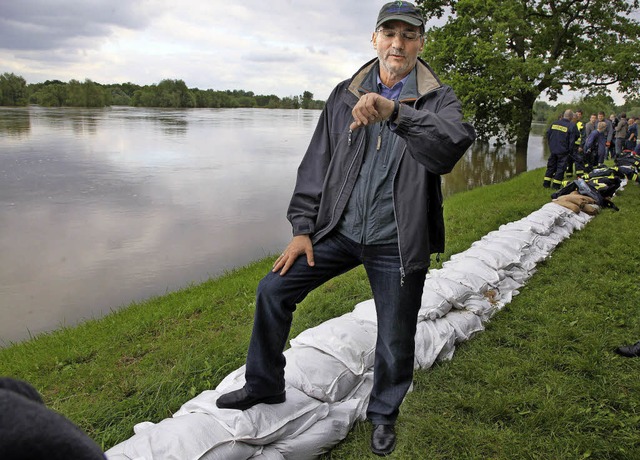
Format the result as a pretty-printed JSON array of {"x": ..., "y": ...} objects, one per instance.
[{"x": 397, "y": 304}]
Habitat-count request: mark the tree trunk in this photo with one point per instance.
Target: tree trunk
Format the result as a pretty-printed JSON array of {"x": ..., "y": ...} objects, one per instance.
[{"x": 524, "y": 110}]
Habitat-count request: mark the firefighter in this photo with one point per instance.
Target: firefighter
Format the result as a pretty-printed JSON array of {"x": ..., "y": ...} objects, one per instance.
[{"x": 561, "y": 137}]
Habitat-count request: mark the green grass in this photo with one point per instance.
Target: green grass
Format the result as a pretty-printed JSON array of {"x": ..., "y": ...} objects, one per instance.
[{"x": 540, "y": 383}]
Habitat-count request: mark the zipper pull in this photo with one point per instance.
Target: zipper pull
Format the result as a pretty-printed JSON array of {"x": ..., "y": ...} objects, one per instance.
[
  {"x": 349, "y": 139},
  {"x": 379, "y": 143}
]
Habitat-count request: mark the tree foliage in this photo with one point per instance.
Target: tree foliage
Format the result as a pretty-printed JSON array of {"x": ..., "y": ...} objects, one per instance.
[
  {"x": 13, "y": 90},
  {"x": 167, "y": 94},
  {"x": 500, "y": 56}
]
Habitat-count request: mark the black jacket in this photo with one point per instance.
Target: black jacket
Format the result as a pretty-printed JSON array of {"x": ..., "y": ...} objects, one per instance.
[{"x": 433, "y": 138}]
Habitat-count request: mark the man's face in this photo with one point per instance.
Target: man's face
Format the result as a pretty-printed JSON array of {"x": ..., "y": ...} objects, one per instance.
[
  {"x": 593, "y": 118},
  {"x": 600, "y": 117},
  {"x": 397, "y": 53}
]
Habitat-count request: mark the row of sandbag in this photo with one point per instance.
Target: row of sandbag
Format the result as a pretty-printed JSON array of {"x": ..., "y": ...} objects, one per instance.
[{"x": 329, "y": 367}]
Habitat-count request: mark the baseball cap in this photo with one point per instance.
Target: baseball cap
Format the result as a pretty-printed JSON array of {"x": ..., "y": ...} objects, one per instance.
[{"x": 400, "y": 11}]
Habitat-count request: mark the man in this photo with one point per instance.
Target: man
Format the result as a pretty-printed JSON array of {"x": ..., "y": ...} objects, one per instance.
[
  {"x": 621, "y": 133},
  {"x": 596, "y": 144},
  {"x": 367, "y": 192},
  {"x": 632, "y": 135},
  {"x": 591, "y": 125},
  {"x": 561, "y": 137},
  {"x": 609, "y": 131},
  {"x": 577, "y": 152}
]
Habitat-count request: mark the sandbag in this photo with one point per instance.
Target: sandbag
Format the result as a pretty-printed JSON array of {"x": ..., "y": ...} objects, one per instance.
[
  {"x": 433, "y": 305},
  {"x": 318, "y": 374},
  {"x": 190, "y": 436},
  {"x": 263, "y": 423},
  {"x": 434, "y": 340},
  {"x": 349, "y": 339},
  {"x": 451, "y": 290},
  {"x": 465, "y": 323},
  {"x": 321, "y": 437}
]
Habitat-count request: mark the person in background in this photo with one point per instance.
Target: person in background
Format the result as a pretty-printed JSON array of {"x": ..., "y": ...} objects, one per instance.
[
  {"x": 611, "y": 146},
  {"x": 367, "y": 193},
  {"x": 632, "y": 135},
  {"x": 577, "y": 153},
  {"x": 596, "y": 145},
  {"x": 609, "y": 131},
  {"x": 621, "y": 133},
  {"x": 590, "y": 126},
  {"x": 31, "y": 431},
  {"x": 561, "y": 137}
]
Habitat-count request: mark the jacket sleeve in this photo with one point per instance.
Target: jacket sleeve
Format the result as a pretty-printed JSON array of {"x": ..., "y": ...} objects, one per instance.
[
  {"x": 436, "y": 138},
  {"x": 305, "y": 202}
]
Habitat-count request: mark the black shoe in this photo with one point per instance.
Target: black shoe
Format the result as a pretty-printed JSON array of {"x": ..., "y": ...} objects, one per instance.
[
  {"x": 241, "y": 399},
  {"x": 383, "y": 439},
  {"x": 630, "y": 351}
]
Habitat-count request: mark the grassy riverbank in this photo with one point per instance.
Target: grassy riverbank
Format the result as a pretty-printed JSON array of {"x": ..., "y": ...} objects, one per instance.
[{"x": 540, "y": 382}]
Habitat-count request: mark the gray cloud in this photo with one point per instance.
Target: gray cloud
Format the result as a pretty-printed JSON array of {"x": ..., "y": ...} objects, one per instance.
[
  {"x": 283, "y": 56},
  {"x": 46, "y": 25}
]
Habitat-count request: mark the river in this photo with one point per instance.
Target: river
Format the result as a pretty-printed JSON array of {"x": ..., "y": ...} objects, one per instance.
[{"x": 103, "y": 207}]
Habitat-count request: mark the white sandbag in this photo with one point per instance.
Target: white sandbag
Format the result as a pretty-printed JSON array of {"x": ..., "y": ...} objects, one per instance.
[
  {"x": 472, "y": 281},
  {"x": 480, "y": 306},
  {"x": 508, "y": 284},
  {"x": 263, "y": 423},
  {"x": 545, "y": 221},
  {"x": 268, "y": 453},
  {"x": 451, "y": 290},
  {"x": 563, "y": 231},
  {"x": 433, "y": 306},
  {"x": 465, "y": 324},
  {"x": 318, "y": 374},
  {"x": 476, "y": 267},
  {"x": 231, "y": 451},
  {"x": 524, "y": 225},
  {"x": 233, "y": 381},
  {"x": 433, "y": 339},
  {"x": 366, "y": 311},
  {"x": 321, "y": 437},
  {"x": 347, "y": 338},
  {"x": 492, "y": 255},
  {"x": 191, "y": 436},
  {"x": 511, "y": 243}
]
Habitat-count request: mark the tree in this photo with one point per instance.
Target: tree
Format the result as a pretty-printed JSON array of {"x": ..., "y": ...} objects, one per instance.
[
  {"x": 500, "y": 56},
  {"x": 307, "y": 99},
  {"x": 13, "y": 90}
]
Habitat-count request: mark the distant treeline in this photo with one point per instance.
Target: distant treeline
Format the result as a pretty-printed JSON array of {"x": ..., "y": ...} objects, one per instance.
[{"x": 14, "y": 91}]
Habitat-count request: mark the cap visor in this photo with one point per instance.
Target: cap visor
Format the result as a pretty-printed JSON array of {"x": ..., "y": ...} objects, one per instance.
[{"x": 403, "y": 18}]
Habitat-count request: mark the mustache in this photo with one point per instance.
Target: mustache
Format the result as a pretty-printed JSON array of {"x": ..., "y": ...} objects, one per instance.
[{"x": 396, "y": 52}]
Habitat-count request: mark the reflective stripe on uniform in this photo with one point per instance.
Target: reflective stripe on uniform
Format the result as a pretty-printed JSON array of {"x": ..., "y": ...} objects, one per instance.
[{"x": 564, "y": 129}]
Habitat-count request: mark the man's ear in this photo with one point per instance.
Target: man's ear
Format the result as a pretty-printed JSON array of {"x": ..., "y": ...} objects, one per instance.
[{"x": 374, "y": 40}]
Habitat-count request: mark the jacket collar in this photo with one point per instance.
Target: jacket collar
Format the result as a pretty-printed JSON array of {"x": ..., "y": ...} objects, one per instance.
[{"x": 364, "y": 80}]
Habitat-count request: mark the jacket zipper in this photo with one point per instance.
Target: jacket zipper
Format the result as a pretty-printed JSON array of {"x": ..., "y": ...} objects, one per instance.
[
  {"x": 395, "y": 216},
  {"x": 344, "y": 183}
]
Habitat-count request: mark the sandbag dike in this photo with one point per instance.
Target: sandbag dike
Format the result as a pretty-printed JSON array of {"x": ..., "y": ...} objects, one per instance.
[{"x": 329, "y": 371}]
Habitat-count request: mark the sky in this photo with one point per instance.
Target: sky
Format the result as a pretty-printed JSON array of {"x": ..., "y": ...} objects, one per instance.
[{"x": 281, "y": 47}]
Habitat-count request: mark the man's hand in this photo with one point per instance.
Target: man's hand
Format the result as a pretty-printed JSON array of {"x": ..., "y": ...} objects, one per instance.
[
  {"x": 371, "y": 108},
  {"x": 299, "y": 245}
]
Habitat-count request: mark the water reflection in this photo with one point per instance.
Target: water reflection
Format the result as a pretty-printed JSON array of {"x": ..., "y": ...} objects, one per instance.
[
  {"x": 15, "y": 122},
  {"x": 99, "y": 208},
  {"x": 485, "y": 163}
]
